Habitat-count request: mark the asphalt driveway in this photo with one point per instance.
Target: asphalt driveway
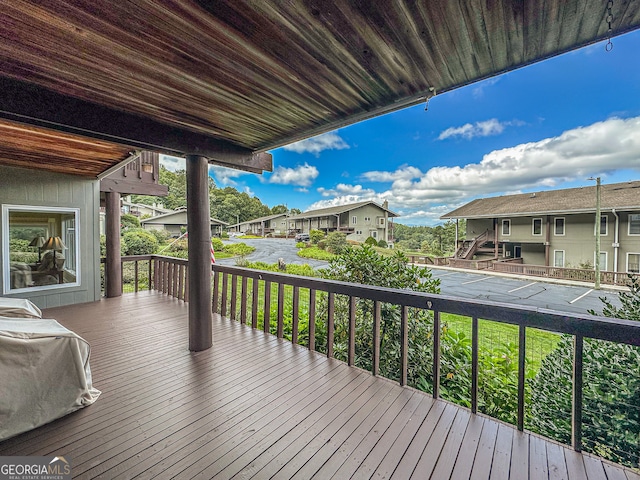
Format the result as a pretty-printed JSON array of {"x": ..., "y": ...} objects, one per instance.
[{"x": 269, "y": 250}]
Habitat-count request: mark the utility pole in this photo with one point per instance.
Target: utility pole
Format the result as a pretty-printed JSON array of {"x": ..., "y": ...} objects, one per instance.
[{"x": 598, "y": 221}]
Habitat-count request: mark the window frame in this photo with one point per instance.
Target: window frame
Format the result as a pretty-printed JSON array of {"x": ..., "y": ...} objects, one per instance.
[
  {"x": 627, "y": 265},
  {"x": 603, "y": 266},
  {"x": 354, "y": 220},
  {"x": 555, "y": 226},
  {"x": 629, "y": 224},
  {"x": 563, "y": 258},
  {"x": 506, "y": 221},
  {"x": 7, "y": 209},
  {"x": 533, "y": 227}
]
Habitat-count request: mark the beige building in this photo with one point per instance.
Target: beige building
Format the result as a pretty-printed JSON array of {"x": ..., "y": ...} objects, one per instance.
[
  {"x": 272, "y": 224},
  {"x": 176, "y": 221},
  {"x": 357, "y": 220},
  {"x": 556, "y": 227}
]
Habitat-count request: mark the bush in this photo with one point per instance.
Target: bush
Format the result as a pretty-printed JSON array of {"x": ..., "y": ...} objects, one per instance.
[
  {"x": 322, "y": 244},
  {"x": 611, "y": 394},
  {"x": 315, "y": 236},
  {"x": 103, "y": 245},
  {"x": 383, "y": 244},
  {"x": 224, "y": 235},
  {"x": 128, "y": 221},
  {"x": 138, "y": 242},
  {"x": 337, "y": 243},
  {"x": 301, "y": 245},
  {"x": 241, "y": 249},
  {"x": 315, "y": 253},
  {"x": 371, "y": 241},
  {"x": 161, "y": 235},
  {"x": 217, "y": 244}
]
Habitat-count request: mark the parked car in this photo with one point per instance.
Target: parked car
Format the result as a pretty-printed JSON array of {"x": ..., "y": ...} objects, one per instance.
[{"x": 302, "y": 237}]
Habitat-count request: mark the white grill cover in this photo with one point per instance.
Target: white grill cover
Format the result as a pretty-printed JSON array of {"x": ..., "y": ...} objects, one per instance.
[{"x": 44, "y": 374}]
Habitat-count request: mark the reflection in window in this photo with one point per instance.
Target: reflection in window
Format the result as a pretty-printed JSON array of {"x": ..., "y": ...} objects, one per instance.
[{"x": 41, "y": 249}]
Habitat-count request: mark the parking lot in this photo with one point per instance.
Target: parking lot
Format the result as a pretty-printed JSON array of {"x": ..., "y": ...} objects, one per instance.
[
  {"x": 520, "y": 291},
  {"x": 526, "y": 291}
]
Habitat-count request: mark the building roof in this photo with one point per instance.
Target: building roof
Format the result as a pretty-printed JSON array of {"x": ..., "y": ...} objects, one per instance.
[
  {"x": 618, "y": 196},
  {"x": 233, "y": 79},
  {"x": 176, "y": 218},
  {"x": 324, "y": 212}
]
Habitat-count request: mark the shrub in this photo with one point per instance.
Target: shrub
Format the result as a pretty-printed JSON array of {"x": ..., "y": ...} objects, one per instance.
[
  {"x": 315, "y": 253},
  {"x": 337, "y": 243},
  {"x": 239, "y": 249},
  {"x": 315, "y": 236},
  {"x": 128, "y": 221},
  {"x": 301, "y": 245},
  {"x": 224, "y": 235},
  {"x": 382, "y": 244},
  {"x": 611, "y": 397},
  {"x": 322, "y": 244},
  {"x": 371, "y": 241},
  {"x": 161, "y": 235},
  {"x": 138, "y": 242},
  {"x": 217, "y": 244},
  {"x": 103, "y": 245}
]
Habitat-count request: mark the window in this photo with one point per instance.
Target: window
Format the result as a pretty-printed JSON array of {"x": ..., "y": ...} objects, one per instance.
[
  {"x": 558, "y": 224},
  {"x": 382, "y": 221},
  {"x": 367, "y": 219},
  {"x": 374, "y": 234},
  {"x": 536, "y": 226},
  {"x": 506, "y": 227},
  {"x": 354, "y": 220},
  {"x": 603, "y": 226},
  {"x": 634, "y": 224},
  {"x": 633, "y": 262},
  {"x": 41, "y": 250},
  {"x": 603, "y": 260},
  {"x": 558, "y": 258}
]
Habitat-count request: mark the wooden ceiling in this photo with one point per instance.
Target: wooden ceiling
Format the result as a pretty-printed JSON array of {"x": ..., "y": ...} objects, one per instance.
[{"x": 231, "y": 79}]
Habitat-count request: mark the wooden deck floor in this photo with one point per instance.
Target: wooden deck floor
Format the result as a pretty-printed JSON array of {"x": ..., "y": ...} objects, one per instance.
[{"x": 254, "y": 406}]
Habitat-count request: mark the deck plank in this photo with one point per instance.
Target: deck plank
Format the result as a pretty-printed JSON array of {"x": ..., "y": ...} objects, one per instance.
[{"x": 255, "y": 406}]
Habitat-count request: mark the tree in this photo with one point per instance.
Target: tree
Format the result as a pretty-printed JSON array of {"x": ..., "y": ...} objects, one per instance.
[
  {"x": 278, "y": 209},
  {"x": 295, "y": 211}
]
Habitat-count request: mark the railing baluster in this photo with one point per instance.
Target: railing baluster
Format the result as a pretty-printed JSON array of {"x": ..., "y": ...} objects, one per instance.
[
  {"x": 165, "y": 278},
  {"x": 280, "y": 331},
  {"x": 436, "y": 354},
  {"x": 377, "y": 314},
  {"x": 243, "y": 301},
  {"x": 296, "y": 314},
  {"x": 330, "y": 326},
  {"x": 266, "y": 322},
  {"x": 474, "y": 365},
  {"x": 234, "y": 296},
  {"x": 225, "y": 287},
  {"x": 351, "y": 355},
  {"x": 135, "y": 276},
  {"x": 170, "y": 290},
  {"x": 522, "y": 338},
  {"x": 181, "y": 282},
  {"x": 151, "y": 272},
  {"x": 404, "y": 344},
  {"x": 312, "y": 319},
  {"x": 174, "y": 281},
  {"x": 186, "y": 283},
  {"x": 576, "y": 417},
  {"x": 254, "y": 303},
  {"x": 121, "y": 276}
]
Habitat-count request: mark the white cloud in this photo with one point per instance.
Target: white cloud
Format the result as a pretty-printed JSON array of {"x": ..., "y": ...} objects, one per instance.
[
  {"x": 226, "y": 176},
  {"x": 479, "y": 129},
  {"x": 172, "y": 163},
  {"x": 600, "y": 148},
  {"x": 405, "y": 172},
  {"x": 315, "y": 145},
  {"x": 478, "y": 89},
  {"x": 346, "y": 189},
  {"x": 302, "y": 175}
]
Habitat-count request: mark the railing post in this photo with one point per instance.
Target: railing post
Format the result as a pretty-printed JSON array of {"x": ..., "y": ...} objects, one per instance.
[
  {"x": 474, "y": 365},
  {"x": 576, "y": 417},
  {"x": 266, "y": 324},
  {"x": 522, "y": 336},
  {"x": 436, "y": 354},
  {"x": 312, "y": 319},
  {"x": 330, "y": 326},
  {"x": 351, "y": 354},
  {"x": 404, "y": 344},
  {"x": 377, "y": 314},
  {"x": 296, "y": 314},
  {"x": 135, "y": 276}
]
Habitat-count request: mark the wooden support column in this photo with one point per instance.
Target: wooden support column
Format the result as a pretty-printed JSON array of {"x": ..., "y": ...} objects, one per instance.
[
  {"x": 112, "y": 270},
  {"x": 199, "y": 281},
  {"x": 547, "y": 243}
]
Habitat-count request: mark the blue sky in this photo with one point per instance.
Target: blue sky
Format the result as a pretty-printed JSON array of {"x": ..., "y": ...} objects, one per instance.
[{"x": 546, "y": 126}]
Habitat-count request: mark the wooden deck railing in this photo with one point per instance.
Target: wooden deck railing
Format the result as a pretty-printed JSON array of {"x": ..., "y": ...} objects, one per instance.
[
  {"x": 233, "y": 287},
  {"x": 578, "y": 274},
  {"x": 257, "y": 298}
]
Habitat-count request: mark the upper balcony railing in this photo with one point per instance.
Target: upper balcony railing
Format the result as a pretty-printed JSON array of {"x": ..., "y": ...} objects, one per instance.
[{"x": 304, "y": 310}]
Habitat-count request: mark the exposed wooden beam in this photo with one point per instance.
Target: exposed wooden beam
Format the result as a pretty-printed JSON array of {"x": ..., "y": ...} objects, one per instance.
[{"x": 33, "y": 105}]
